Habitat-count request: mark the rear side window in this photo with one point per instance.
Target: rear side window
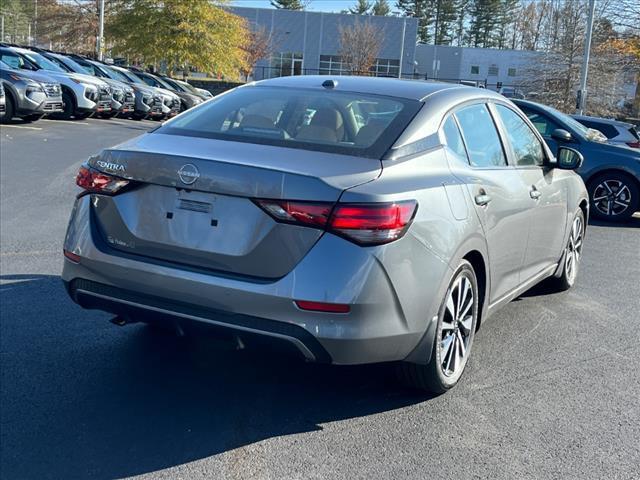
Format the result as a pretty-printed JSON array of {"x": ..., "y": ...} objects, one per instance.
[
  {"x": 526, "y": 146},
  {"x": 609, "y": 131},
  {"x": 481, "y": 137},
  {"x": 453, "y": 137},
  {"x": 337, "y": 122}
]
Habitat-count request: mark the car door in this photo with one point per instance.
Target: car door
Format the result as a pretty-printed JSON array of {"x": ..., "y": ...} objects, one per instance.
[
  {"x": 548, "y": 197},
  {"x": 477, "y": 157}
]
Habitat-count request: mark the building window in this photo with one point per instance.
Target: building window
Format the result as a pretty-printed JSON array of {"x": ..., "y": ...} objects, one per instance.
[
  {"x": 475, "y": 70},
  {"x": 493, "y": 71},
  {"x": 284, "y": 64},
  {"x": 332, "y": 65},
  {"x": 383, "y": 67},
  {"x": 511, "y": 72},
  {"x": 386, "y": 67}
]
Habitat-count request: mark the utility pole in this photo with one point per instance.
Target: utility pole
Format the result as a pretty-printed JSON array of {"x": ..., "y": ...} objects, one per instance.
[
  {"x": 100, "y": 42},
  {"x": 582, "y": 93},
  {"x": 35, "y": 22}
]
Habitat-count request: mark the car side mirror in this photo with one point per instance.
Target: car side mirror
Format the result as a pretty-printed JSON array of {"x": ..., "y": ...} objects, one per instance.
[
  {"x": 561, "y": 135},
  {"x": 569, "y": 159}
]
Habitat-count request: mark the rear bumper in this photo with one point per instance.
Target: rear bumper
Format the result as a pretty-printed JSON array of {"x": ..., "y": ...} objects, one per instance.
[
  {"x": 134, "y": 306},
  {"x": 383, "y": 325}
]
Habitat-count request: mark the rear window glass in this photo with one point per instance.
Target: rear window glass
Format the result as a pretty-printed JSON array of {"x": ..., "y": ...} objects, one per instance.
[
  {"x": 329, "y": 121},
  {"x": 608, "y": 130}
]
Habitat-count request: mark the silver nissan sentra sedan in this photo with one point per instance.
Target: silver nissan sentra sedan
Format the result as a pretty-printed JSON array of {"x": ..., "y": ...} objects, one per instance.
[{"x": 358, "y": 220}]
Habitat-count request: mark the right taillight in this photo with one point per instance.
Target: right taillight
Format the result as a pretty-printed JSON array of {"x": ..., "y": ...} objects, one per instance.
[
  {"x": 373, "y": 223},
  {"x": 634, "y": 144},
  {"x": 363, "y": 223},
  {"x": 94, "y": 181}
]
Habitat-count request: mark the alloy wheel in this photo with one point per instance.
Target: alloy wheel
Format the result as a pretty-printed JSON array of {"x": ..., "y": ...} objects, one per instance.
[
  {"x": 456, "y": 326},
  {"x": 574, "y": 250},
  {"x": 612, "y": 197}
]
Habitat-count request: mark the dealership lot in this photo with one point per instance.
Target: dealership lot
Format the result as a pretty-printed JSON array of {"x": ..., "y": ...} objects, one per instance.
[{"x": 551, "y": 391}]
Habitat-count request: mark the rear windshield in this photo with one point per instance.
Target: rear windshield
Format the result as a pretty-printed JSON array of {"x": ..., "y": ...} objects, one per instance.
[{"x": 322, "y": 120}]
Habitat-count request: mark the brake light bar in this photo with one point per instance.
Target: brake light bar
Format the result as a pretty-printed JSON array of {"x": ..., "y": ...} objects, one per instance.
[
  {"x": 363, "y": 223},
  {"x": 94, "y": 181}
]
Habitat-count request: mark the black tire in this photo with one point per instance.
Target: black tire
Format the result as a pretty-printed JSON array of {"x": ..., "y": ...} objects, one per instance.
[
  {"x": 570, "y": 261},
  {"x": 34, "y": 117},
  {"x": 9, "y": 111},
  {"x": 137, "y": 116},
  {"x": 609, "y": 192},
  {"x": 68, "y": 107},
  {"x": 83, "y": 115},
  {"x": 434, "y": 376}
]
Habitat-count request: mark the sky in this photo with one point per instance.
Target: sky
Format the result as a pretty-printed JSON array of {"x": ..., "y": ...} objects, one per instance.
[{"x": 316, "y": 5}]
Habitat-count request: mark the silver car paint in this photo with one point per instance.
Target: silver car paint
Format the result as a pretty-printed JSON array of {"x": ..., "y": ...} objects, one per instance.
[{"x": 394, "y": 290}]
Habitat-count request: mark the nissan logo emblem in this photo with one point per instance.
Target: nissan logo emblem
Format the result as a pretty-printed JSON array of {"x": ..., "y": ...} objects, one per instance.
[{"x": 188, "y": 173}]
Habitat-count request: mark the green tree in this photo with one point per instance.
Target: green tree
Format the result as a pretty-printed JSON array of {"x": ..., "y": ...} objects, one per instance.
[
  {"x": 424, "y": 11},
  {"x": 484, "y": 16},
  {"x": 361, "y": 7},
  {"x": 289, "y": 4},
  {"x": 381, "y": 8},
  {"x": 197, "y": 33},
  {"x": 446, "y": 16}
]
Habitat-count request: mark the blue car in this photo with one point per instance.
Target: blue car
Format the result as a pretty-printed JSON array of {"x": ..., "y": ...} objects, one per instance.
[{"x": 610, "y": 172}]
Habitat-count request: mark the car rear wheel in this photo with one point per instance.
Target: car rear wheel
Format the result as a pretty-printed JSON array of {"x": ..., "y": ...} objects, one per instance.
[
  {"x": 572, "y": 256},
  {"x": 9, "y": 110},
  {"x": 614, "y": 196},
  {"x": 455, "y": 330}
]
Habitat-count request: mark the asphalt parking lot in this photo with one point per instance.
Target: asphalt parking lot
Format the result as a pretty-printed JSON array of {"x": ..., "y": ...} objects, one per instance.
[{"x": 552, "y": 389}]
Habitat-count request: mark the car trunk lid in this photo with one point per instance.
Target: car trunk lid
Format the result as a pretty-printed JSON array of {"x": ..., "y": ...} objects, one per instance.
[{"x": 198, "y": 210}]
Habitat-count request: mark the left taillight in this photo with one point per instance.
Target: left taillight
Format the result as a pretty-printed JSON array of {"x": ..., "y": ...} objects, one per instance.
[
  {"x": 94, "y": 181},
  {"x": 365, "y": 224}
]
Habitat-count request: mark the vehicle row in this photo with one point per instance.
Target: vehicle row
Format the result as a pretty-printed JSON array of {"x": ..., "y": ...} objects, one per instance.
[{"x": 40, "y": 82}]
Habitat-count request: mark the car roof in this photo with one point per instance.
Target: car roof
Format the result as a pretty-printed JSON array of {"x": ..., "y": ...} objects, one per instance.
[
  {"x": 392, "y": 87},
  {"x": 609, "y": 121}
]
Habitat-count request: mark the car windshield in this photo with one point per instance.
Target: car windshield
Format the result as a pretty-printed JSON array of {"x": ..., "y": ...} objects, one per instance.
[
  {"x": 188, "y": 87},
  {"x": 43, "y": 63},
  {"x": 132, "y": 77},
  {"x": 73, "y": 65},
  {"x": 175, "y": 85},
  {"x": 337, "y": 122},
  {"x": 115, "y": 74}
]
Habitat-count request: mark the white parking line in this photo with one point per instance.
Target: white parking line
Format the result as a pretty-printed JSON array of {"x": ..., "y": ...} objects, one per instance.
[
  {"x": 65, "y": 121},
  {"x": 20, "y": 126}
]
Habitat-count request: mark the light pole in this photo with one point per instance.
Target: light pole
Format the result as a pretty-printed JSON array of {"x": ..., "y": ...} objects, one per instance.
[
  {"x": 100, "y": 42},
  {"x": 582, "y": 93}
]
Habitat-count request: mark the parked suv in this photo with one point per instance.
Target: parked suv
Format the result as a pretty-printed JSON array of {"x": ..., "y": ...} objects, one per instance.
[
  {"x": 82, "y": 95},
  {"x": 385, "y": 225},
  {"x": 29, "y": 95},
  {"x": 611, "y": 172},
  {"x": 187, "y": 99},
  {"x": 171, "y": 101},
  {"x": 617, "y": 132},
  {"x": 122, "y": 95}
]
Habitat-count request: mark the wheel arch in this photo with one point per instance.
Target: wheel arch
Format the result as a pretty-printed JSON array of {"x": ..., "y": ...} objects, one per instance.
[
  {"x": 69, "y": 91},
  {"x": 619, "y": 170},
  {"x": 478, "y": 262}
]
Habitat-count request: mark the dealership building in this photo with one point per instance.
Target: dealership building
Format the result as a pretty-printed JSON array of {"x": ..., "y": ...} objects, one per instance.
[{"x": 308, "y": 43}]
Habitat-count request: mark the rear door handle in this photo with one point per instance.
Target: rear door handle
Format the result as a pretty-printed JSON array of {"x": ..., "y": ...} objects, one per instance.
[
  {"x": 535, "y": 193},
  {"x": 482, "y": 199}
]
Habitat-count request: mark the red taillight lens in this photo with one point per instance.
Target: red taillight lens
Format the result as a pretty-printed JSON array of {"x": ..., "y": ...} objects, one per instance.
[
  {"x": 71, "y": 256},
  {"x": 311, "y": 214},
  {"x": 373, "y": 224},
  {"x": 94, "y": 181},
  {"x": 323, "y": 307},
  {"x": 365, "y": 224},
  {"x": 634, "y": 144}
]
